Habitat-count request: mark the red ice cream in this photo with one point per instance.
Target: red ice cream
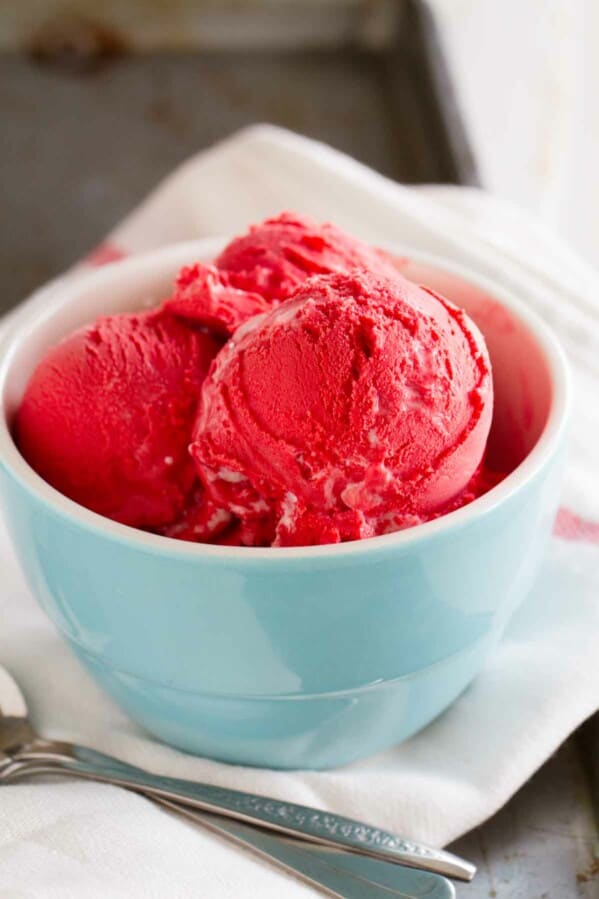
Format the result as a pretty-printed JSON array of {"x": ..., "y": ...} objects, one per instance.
[
  {"x": 263, "y": 267},
  {"x": 348, "y": 402},
  {"x": 359, "y": 406},
  {"x": 108, "y": 413},
  {"x": 205, "y": 296}
]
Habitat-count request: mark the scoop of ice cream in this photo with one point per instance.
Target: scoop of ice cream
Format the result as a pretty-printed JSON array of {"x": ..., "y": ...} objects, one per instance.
[
  {"x": 274, "y": 257},
  {"x": 108, "y": 413},
  {"x": 263, "y": 267},
  {"x": 359, "y": 406}
]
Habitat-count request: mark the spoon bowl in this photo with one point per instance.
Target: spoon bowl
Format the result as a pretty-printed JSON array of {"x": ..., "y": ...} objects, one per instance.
[{"x": 15, "y": 729}]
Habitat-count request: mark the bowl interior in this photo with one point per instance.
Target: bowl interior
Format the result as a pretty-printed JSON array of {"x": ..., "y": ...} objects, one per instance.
[{"x": 524, "y": 382}]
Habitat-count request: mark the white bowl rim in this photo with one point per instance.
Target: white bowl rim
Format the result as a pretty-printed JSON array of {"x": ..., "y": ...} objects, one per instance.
[{"x": 48, "y": 302}]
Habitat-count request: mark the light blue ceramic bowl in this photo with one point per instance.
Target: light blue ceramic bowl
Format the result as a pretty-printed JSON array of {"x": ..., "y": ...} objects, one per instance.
[{"x": 303, "y": 657}]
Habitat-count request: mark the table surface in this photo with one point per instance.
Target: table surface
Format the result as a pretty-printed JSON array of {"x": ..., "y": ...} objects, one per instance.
[
  {"x": 79, "y": 151},
  {"x": 543, "y": 844}
]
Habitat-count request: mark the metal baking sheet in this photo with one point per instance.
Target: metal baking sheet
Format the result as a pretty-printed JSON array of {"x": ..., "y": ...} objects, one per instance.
[{"x": 88, "y": 128}]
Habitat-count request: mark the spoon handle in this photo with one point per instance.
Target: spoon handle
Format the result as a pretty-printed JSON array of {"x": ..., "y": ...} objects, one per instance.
[
  {"x": 336, "y": 872},
  {"x": 313, "y": 825}
]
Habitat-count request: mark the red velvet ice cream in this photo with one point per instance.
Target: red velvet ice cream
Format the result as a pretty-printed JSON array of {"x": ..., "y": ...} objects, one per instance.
[
  {"x": 263, "y": 267},
  {"x": 347, "y": 403},
  {"x": 108, "y": 413},
  {"x": 359, "y": 406}
]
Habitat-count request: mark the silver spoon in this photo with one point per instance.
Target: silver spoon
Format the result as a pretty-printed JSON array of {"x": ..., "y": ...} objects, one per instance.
[
  {"x": 336, "y": 873},
  {"x": 21, "y": 746}
]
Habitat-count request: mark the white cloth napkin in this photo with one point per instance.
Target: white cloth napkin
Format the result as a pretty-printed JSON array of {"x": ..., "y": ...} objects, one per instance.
[{"x": 83, "y": 840}]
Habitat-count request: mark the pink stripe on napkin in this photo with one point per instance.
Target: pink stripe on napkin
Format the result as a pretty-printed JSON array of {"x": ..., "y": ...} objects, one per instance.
[{"x": 570, "y": 526}]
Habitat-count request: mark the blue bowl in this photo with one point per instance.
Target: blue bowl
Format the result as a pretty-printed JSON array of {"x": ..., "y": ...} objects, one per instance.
[{"x": 302, "y": 657}]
